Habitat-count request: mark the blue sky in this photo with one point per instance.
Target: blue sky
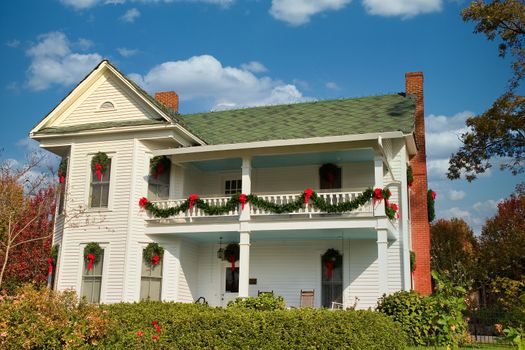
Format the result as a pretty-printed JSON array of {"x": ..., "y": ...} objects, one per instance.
[{"x": 228, "y": 53}]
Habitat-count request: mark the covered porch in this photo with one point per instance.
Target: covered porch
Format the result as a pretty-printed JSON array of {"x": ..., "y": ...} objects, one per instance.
[{"x": 286, "y": 263}]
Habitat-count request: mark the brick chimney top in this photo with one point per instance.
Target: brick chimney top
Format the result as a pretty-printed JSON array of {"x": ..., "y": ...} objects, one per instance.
[{"x": 169, "y": 99}]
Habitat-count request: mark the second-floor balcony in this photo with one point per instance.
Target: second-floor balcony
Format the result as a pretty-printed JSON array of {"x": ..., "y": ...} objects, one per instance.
[{"x": 309, "y": 210}]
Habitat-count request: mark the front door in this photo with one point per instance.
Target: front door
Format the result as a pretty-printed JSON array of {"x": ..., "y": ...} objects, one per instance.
[{"x": 229, "y": 284}]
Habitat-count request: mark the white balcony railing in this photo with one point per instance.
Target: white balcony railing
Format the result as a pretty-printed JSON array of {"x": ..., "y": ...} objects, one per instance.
[{"x": 309, "y": 209}]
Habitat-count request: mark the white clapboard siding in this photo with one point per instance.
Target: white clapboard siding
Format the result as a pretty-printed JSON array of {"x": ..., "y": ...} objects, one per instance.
[
  {"x": 127, "y": 105},
  {"x": 189, "y": 269}
]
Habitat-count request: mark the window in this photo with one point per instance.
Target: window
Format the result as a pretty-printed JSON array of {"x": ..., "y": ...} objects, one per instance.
[
  {"x": 151, "y": 281},
  {"x": 232, "y": 280},
  {"x": 92, "y": 280},
  {"x": 107, "y": 106},
  {"x": 159, "y": 185},
  {"x": 329, "y": 177},
  {"x": 99, "y": 190},
  {"x": 232, "y": 187}
]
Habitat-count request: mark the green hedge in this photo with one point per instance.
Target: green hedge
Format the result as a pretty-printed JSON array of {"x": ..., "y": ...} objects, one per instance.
[{"x": 189, "y": 326}]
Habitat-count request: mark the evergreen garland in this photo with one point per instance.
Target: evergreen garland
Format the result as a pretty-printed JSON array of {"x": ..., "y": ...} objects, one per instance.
[
  {"x": 268, "y": 206},
  {"x": 54, "y": 254},
  {"x": 99, "y": 158},
  {"x": 431, "y": 196},
  {"x": 410, "y": 176},
  {"x": 152, "y": 250},
  {"x": 62, "y": 170},
  {"x": 95, "y": 249},
  {"x": 412, "y": 261}
]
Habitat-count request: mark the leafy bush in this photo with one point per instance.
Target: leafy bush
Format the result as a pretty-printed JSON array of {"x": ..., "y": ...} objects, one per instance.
[
  {"x": 264, "y": 302},
  {"x": 149, "y": 324},
  {"x": 429, "y": 320},
  {"x": 44, "y": 319},
  {"x": 510, "y": 297}
]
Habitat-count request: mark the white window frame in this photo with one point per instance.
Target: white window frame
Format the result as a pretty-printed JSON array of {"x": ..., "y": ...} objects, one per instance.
[
  {"x": 230, "y": 178},
  {"x": 138, "y": 271},
  {"x": 112, "y": 183},
  {"x": 106, "y": 246}
]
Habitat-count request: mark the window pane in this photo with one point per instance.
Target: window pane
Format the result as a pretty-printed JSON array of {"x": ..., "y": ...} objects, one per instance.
[
  {"x": 154, "y": 292},
  {"x": 232, "y": 280},
  {"x": 227, "y": 185},
  {"x": 159, "y": 187},
  {"x": 95, "y": 195},
  {"x": 99, "y": 196},
  {"x": 104, "y": 197},
  {"x": 92, "y": 280}
]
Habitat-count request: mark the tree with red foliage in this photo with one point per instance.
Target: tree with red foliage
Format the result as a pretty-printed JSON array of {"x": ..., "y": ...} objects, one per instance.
[{"x": 27, "y": 208}]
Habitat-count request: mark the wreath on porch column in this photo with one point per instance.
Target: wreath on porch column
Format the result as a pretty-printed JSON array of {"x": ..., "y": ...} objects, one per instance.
[
  {"x": 99, "y": 164},
  {"x": 410, "y": 176},
  {"x": 331, "y": 259},
  {"x": 153, "y": 254},
  {"x": 158, "y": 165},
  {"x": 231, "y": 254},
  {"x": 92, "y": 254}
]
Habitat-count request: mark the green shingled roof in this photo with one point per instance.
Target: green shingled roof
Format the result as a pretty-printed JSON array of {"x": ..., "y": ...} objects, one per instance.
[{"x": 302, "y": 120}]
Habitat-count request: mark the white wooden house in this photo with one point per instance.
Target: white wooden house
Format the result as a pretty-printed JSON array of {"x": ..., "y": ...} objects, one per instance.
[{"x": 275, "y": 152}]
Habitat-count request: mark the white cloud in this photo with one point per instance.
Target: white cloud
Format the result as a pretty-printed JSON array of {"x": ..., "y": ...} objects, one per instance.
[
  {"x": 205, "y": 78},
  {"x": 80, "y": 4},
  {"x": 455, "y": 212},
  {"x": 127, "y": 52},
  {"x": 13, "y": 43},
  {"x": 332, "y": 85},
  {"x": 297, "y": 12},
  {"x": 84, "y": 44},
  {"x": 53, "y": 62},
  {"x": 456, "y": 195},
  {"x": 254, "y": 66},
  {"x": 403, "y": 8},
  {"x": 130, "y": 15}
]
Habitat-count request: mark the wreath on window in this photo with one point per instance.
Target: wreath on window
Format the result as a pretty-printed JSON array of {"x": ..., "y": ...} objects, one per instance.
[
  {"x": 328, "y": 173},
  {"x": 158, "y": 165},
  {"x": 54, "y": 254},
  {"x": 99, "y": 164},
  {"x": 92, "y": 254},
  {"x": 231, "y": 254},
  {"x": 62, "y": 171},
  {"x": 331, "y": 259},
  {"x": 153, "y": 254}
]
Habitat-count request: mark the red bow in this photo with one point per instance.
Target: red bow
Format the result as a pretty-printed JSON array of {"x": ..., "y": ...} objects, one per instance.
[
  {"x": 143, "y": 202},
  {"x": 49, "y": 266},
  {"x": 307, "y": 194},
  {"x": 192, "y": 198},
  {"x": 378, "y": 195},
  {"x": 155, "y": 260},
  {"x": 91, "y": 258},
  {"x": 243, "y": 199},
  {"x": 329, "y": 268},
  {"x": 61, "y": 177},
  {"x": 433, "y": 195},
  {"x": 159, "y": 170},
  {"x": 232, "y": 260},
  {"x": 98, "y": 171}
]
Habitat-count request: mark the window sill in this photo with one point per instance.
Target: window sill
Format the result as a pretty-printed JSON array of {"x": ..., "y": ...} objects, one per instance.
[{"x": 99, "y": 210}]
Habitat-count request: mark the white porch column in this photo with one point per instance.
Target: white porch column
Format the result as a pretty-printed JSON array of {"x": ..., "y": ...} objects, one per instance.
[
  {"x": 379, "y": 209},
  {"x": 244, "y": 265},
  {"x": 244, "y": 244},
  {"x": 246, "y": 185},
  {"x": 382, "y": 260}
]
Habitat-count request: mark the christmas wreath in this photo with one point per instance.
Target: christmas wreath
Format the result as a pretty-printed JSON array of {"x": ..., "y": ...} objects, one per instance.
[
  {"x": 231, "y": 254},
  {"x": 92, "y": 254},
  {"x": 54, "y": 254},
  {"x": 153, "y": 254},
  {"x": 431, "y": 201},
  {"x": 62, "y": 171},
  {"x": 410, "y": 176},
  {"x": 412, "y": 261},
  {"x": 99, "y": 164},
  {"x": 158, "y": 165},
  {"x": 328, "y": 173},
  {"x": 331, "y": 259}
]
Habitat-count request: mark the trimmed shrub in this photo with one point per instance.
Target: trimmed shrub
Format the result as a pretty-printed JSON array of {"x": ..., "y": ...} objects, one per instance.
[
  {"x": 263, "y": 302},
  {"x": 44, "y": 319},
  {"x": 148, "y": 325},
  {"x": 429, "y": 320}
]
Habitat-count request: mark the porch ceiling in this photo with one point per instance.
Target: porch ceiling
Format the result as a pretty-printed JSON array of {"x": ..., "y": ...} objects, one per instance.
[
  {"x": 287, "y": 235},
  {"x": 298, "y": 159}
]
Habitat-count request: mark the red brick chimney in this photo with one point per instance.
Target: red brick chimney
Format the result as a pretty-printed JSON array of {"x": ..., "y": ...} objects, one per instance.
[
  {"x": 169, "y": 99},
  {"x": 418, "y": 193}
]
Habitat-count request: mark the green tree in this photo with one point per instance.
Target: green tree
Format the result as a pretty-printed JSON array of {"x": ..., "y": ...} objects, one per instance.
[
  {"x": 500, "y": 131},
  {"x": 453, "y": 251}
]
